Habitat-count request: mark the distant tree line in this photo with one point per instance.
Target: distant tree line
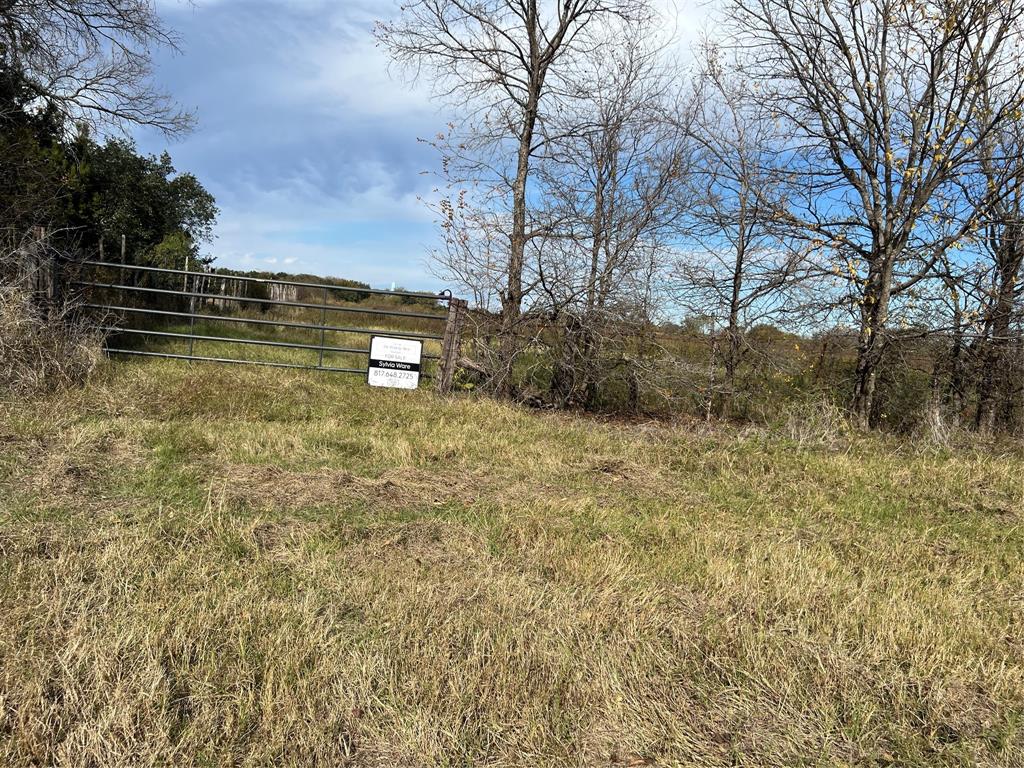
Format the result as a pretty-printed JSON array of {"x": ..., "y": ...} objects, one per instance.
[
  {"x": 845, "y": 174},
  {"x": 340, "y": 289}
]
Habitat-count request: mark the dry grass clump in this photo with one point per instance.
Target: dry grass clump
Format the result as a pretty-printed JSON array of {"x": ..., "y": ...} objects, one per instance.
[
  {"x": 817, "y": 421},
  {"x": 396, "y": 579},
  {"x": 40, "y": 352},
  {"x": 938, "y": 429}
]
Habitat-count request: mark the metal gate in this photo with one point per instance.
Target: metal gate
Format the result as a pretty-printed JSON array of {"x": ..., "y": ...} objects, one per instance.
[{"x": 186, "y": 315}]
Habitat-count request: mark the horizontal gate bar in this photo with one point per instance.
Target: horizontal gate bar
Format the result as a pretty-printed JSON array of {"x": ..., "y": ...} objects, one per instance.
[
  {"x": 233, "y": 361},
  {"x": 254, "y": 342},
  {"x": 198, "y": 358},
  {"x": 253, "y": 321},
  {"x": 230, "y": 340},
  {"x": 251, "y": 300},
  {"x": 350, "y": 289}
]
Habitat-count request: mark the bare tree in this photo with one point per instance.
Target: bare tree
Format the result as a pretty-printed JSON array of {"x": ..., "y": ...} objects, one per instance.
[
  {"x": 90, "y": 59},
  {"x": 885, "y": 104},
  {"x": 952, "y": 318},
  {"x": 1003, "y": 242},
  {"x": 500, "y": 61},
  {"x": 615, "y": 163},
  {"x": 737, "y": 264}
]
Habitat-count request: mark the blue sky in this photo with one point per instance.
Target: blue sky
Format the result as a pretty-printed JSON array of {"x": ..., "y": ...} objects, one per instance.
[{"x": 305, "y": 139}]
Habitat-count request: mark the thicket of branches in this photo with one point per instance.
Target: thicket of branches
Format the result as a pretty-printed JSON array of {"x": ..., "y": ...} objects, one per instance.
[{"x": 826, "y": 202}]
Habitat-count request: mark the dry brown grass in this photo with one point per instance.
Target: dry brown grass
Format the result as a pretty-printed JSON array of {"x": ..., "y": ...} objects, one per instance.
[
  {"x": 40, "y": 353},
  {"x": 273, "y": 488},
  {"x": 206, "y": 566}
]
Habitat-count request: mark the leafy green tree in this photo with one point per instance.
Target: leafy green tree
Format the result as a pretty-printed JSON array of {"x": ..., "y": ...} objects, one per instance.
[
  {"x": 33, "y": 165},
  {"x": 120, "y": 192},
  {"x": 70, "y": 62},
  {"x": 175, "y": 251}
]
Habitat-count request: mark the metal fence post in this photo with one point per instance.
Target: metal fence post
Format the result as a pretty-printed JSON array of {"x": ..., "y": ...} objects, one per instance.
[
  {"x": 323, "y": 328},
  {"x": 191, "y": 308},
  {"x": 451, "y": 344}
]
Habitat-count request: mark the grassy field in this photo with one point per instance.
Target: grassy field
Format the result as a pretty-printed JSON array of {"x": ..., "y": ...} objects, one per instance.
[{"x": 205, "y": 565}]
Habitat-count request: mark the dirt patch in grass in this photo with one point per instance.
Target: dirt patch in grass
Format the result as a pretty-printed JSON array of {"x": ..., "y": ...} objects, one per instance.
[
  {"x": 429, "y": 543},
  {"x": 271, "y": 537},
  {"x": 618, "y": 468},
  {"x": 262, "y": 486},
  {"x": 271, "y": 487}
]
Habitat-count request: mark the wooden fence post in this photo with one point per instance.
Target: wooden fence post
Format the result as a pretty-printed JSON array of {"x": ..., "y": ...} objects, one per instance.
[
  {"x": 42, "y": 286},
  {"x": 41, "y": 273},
  {"x": 33, "y": 265},
  {"x": 451, "y": 346},
  {"x": 56, "y": 283}
]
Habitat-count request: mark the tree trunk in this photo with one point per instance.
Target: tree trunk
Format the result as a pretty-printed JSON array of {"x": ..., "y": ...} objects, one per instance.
[
  {"x": 512, "y": 300},
  {"x": 954, "y": 398},
  {"x": 597, "y": 234},
  {"x": 994, "y": 387},
  {"x": 732, "y": 354},
  {"x": 874, "y": 314},
  {"x": 566, "y": 365},
  {"x": 512, "y": 296}
]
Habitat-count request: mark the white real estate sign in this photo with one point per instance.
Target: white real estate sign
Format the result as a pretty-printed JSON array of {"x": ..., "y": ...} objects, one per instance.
[{"x": 394, "y": 362}]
